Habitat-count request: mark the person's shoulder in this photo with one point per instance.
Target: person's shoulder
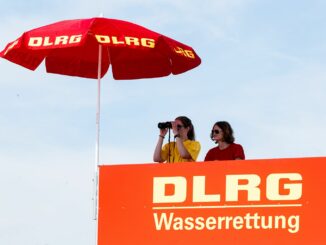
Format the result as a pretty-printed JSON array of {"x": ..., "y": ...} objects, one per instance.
[
  {"x": 193, "y": 143},
  {"x": 213, "y": 149},
  {"x": 235, "y": 145}
]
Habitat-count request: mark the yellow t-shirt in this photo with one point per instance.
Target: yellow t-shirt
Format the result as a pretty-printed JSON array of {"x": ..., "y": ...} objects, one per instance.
[{"x": 193, "y": 147}]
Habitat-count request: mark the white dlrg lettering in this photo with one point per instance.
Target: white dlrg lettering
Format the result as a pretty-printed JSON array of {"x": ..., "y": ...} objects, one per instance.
[
  {"x": 279, "y": 187},
  {"x": 233, "y": 187},
  {"x": 293, "y": 190},
  {"x": 179, "y": 185},
  {"x": 53, "y": 41}
]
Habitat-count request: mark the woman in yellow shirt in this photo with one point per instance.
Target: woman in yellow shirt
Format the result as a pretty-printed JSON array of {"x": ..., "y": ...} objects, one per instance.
[{"x": 184, "y": 148}]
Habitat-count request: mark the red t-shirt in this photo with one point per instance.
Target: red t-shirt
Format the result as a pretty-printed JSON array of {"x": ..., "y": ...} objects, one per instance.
[{"x": 232, "y": 152}]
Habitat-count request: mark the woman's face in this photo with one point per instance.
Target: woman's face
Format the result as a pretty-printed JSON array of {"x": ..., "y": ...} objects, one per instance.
[
  {"x": 182, "y": 130},
  {"x": 217, "y": 133}
]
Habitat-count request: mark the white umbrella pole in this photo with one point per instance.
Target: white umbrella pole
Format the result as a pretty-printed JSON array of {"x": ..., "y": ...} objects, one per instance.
[{"x": 97, "y": 144}]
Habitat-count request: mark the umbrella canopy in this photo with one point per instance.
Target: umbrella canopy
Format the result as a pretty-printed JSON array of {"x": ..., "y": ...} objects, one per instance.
[
  {"x": 87, "y": 48},
  {"x": 71, "y": 47}
]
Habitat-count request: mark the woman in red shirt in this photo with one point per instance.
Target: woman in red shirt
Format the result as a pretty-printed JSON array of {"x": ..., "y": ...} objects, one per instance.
[{"x": 222, "y": 134}]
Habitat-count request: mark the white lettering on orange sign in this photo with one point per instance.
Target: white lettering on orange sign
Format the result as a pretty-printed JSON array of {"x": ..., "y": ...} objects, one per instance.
[
  {"x": 249, "y": 221},
  {"x": 180, "y": 189},
  {"x": 233, "y": 185},
  {"x": 199, "y": 187},
  {"x": 294, "y": 190}
]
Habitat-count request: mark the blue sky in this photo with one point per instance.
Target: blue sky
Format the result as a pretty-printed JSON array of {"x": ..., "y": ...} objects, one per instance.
[{"x": 263, "y": 70}]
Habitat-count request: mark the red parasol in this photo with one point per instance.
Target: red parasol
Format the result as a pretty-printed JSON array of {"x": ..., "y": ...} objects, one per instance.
[
  {"x": 87, "y": 48},
  {"x": 71, "y": 47}
]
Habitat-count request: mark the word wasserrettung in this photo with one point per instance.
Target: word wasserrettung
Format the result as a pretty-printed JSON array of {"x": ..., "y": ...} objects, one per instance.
[{"x": 164, "y": 221}]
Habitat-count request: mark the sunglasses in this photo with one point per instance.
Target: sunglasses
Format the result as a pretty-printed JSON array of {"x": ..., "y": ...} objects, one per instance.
[
  {"x": 179, "y": 126},
  {"x": 216, "y": 131}
]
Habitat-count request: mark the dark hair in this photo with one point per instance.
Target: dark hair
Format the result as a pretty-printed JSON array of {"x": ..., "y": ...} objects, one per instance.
[
  {"x": 227, "y": 131},
  {"x": 187, "y": 123}
]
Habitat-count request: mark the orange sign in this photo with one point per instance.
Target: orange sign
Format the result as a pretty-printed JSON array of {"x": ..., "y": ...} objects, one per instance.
[{"x": 280, "y": 201}]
